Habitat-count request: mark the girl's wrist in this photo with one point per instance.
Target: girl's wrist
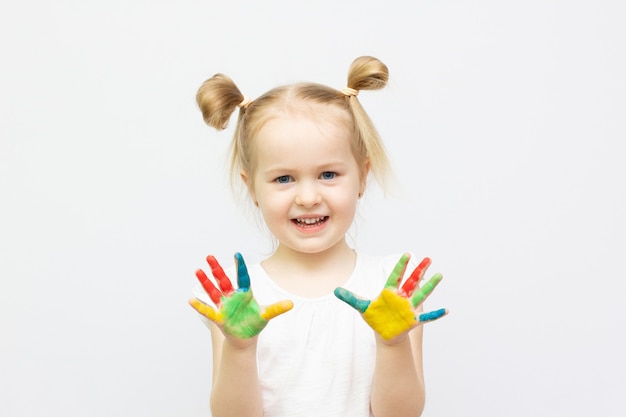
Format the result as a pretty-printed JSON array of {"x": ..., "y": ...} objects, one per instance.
[
  {"x": 394, "y": 342},
  {"x": 237, "y": 344}
]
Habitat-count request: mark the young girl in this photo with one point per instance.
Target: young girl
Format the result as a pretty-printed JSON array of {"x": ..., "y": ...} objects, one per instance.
[{"x": 304, "y": 152}]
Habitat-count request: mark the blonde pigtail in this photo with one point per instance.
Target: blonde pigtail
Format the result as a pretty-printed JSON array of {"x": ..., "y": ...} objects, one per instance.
[
  {"x": 217, "y": 98},
  {"x": 368, "y": 73}
]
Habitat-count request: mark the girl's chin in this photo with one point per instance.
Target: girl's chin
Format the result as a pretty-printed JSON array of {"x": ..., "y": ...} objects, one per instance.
[{"x": 312, "y": 247}]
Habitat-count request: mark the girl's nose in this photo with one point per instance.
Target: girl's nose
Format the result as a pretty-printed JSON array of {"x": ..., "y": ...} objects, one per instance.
[{"x": 307, "y": 195}]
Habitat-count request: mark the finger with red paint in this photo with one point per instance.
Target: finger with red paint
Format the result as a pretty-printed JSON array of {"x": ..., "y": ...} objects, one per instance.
[
  {"x": 220, "y": 276},
  {"x": 415, "y": 278}
]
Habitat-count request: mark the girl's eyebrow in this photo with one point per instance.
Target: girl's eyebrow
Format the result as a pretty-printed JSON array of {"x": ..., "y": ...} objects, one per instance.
[
  {"x": 332, "y": 164},
  {"x": 321, "y": 167},
  {"x": 279, "y": 171}
]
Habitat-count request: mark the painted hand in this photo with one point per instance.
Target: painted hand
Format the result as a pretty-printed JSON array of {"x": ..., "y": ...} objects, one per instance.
[
  {"x": 393, "y": 312},
  {"x": 238, "y": 313}
]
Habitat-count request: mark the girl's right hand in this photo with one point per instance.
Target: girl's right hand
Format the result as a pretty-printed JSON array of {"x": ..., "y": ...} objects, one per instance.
[{"x": 239, "y": 316}]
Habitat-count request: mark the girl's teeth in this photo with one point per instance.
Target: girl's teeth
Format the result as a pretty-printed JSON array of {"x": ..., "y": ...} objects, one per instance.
[{"x": 310, "y": 221}]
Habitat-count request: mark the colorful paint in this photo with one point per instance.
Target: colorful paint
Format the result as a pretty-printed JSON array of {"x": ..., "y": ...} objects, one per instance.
[
  {"x": 415, "y": 278},
  {"x": 349, "y": 298},
  {"x": 392, "y": 312},
  {"x": 243, "y": 278},
  {"x": 433, "y": 315},
  {"x": 238, "y": 313},
  {"x": 398, "y": 272},
  {"x": 422, "y": 293}
]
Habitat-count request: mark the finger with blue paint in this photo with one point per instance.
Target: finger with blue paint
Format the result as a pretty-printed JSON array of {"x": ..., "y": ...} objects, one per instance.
[
  {"x": 243, "y": 278},
  {"x": 393, "y": 312},
  {"x": 238, "y": 314}
]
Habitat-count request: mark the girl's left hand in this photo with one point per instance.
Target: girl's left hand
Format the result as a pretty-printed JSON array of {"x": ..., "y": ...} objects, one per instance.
[{"x": 395, "y": 311}]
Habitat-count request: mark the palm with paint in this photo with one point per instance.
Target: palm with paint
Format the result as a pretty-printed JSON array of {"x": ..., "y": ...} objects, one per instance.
[
  {"x": 394, "y": 311},
  {"x": 239, "y": 315}
]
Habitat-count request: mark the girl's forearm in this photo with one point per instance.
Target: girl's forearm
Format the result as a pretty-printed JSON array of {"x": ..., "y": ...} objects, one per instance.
[
  {"x": 236, "y": 389},
  {"x": 398, "y": 387}
]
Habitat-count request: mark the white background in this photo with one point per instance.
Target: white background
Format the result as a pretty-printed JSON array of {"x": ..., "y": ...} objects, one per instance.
[{"x": 505, "y": 122}]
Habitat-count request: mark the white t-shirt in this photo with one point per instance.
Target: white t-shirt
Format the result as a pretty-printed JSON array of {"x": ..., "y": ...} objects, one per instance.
[{"x": 317, "y": 360}]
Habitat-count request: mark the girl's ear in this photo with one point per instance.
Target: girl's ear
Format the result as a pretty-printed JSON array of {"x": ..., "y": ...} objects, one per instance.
[{"x": 246, "y": 180}]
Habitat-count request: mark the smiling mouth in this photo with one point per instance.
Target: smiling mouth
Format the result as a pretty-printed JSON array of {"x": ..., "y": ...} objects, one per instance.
[{"x": 310, "y": 222}]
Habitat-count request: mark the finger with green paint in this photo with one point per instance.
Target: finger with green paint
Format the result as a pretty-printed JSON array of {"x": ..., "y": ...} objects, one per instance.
[
  {"x": 393, "y": 312},
  {"x": 238, "y": 314}
]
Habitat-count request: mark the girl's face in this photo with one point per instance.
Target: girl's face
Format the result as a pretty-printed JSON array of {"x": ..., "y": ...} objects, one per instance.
[{"x": 307, "y": 181}]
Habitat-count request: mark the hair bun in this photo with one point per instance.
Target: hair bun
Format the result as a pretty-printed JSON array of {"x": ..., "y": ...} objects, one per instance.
[
  {"x": 367, "y": 73},
  {"x": 217, "y": 98}
]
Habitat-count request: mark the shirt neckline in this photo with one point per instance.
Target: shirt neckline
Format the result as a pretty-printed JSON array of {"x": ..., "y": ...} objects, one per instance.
[{"x": 290, "y": 295}]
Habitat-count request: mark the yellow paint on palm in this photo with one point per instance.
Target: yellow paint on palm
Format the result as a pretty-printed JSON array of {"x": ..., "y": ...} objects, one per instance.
[{"x": 390, "y": 314}]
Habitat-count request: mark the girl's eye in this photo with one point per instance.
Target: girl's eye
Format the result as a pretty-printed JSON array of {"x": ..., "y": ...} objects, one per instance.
[
  {"x": 328, "y": 175},
  {"x": 283, "y": 179}
]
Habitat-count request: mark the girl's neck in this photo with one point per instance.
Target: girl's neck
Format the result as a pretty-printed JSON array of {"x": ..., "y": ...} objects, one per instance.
[
  {"x": 311, "y": 274},
  {"x": 289, "y": 258}
]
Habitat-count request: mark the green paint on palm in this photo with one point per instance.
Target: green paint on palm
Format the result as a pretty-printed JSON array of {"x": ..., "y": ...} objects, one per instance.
[{"x": 241, "y": 315}]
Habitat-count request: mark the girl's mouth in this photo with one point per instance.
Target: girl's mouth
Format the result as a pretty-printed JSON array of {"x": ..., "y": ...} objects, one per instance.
[{"x": 310, "y": 222}]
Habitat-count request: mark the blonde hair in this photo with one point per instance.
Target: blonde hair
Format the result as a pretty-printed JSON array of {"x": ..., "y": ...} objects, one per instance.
[{"x": 218, "y": 97}]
